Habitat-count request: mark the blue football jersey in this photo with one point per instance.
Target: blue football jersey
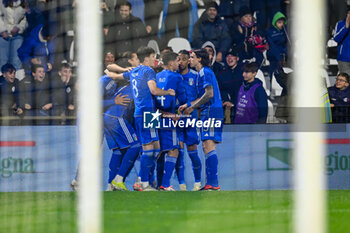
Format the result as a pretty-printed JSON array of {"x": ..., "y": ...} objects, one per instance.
[
  {"x": 109, "y": 88},
  {"x": 166, "y": 80},
  {"x": 110, "y": 91},
  {"x": 213, "y": 107},
  {"x": 190, "y": 84},
  {"x": 143, "y": 98}
]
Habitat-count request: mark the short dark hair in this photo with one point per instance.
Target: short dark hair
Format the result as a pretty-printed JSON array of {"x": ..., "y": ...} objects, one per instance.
[
  {"x": 35, "y": 67},
  {"x": 203, "y": 54},
  {"x": 65, "y": 65},
  {"x": 250, "y": 67},
  {"x": 185, "y": 52},
  {"x": 127, "y": 54},
  {"x": 124, "y": 3},
  {"x": 144, "y": 52},
  {"x": 7, "y": 68},
  {"x": 345, "y": 75},
  {"x": 168, "y": 57},
  {"x": 123, "y": 62}
]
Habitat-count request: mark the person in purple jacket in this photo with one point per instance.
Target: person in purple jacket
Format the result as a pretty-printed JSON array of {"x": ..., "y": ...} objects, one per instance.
[{"x": 251, "y": 106}]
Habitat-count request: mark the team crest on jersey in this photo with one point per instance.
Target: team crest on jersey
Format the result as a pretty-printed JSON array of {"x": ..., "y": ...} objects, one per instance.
[{"x": 191, "y": 81}]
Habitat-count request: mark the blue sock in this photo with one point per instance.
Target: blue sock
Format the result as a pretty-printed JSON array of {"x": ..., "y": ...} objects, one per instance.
[
  {"x": 114, "y": 164},
  {"x": 212, "y": 168},
  {"x": 169, "y": 165},
  {"x": 160, "y": 169},
  {"x": 180, "y": 167},
  {"x": 196, "y": 165},
  {"x": 129, "y": 159},
  {"x": 151, "y": 173},
  {"x": 146, "y": 164}
]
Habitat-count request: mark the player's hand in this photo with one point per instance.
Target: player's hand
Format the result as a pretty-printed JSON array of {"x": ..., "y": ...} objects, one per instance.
[
  {"x": 227, "y": 104},
  {"x": 110, "y": 74},
  {"x": 171, "y": 92},
  {"x": 182, "y": 108},
  {"x": 122, "y": 100},
  {"x": 188, "y": 111}
]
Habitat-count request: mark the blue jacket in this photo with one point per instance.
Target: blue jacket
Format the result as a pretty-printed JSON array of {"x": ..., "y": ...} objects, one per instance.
[
  {"x": 230, "y": 80},
  {"x": 277, "y": 40},
  {"x": 215, "y": 32},
  {"x": 344, "y": 47},
  {"x": 341, "y": 101},
  {"x": 32, "y": 47}
]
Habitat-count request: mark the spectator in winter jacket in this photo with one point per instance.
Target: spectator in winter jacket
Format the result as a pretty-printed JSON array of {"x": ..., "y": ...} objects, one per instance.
[
  {"x": 9, "y": 92},
  {"x": 251, "y": 106},
  {"x": 246, "y": 38},
  {"x": 265, "y": 10},
  {"x": 230, "y": 79},
  {"x": 63, "y": 92},
  {"x": 39, "y": 47},
  {"x": 339, "y": 96},
  {"x": 278, "y": 42},
  {"x": 342, "y": 37},
  {"x": 128, "y": 33},
  {"x": 212, "y": 29},
  {"x": 13, "y": 22},
  {"x": 35, "y": 92}
]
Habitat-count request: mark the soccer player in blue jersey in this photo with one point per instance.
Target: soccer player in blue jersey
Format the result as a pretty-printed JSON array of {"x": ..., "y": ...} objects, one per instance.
[
  {"x": 120, "y": 135},
  {"x": 169, "y": 78},
  {"x": 188, "y": 136},
  {"x": 210, "y": 104},
  {"x": 144, "y": 86}
]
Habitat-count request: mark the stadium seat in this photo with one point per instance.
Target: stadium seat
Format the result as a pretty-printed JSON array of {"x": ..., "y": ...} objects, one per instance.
[
  {"x": 200, "y": 12},
  {"x": 270, "y": 113},
  {"x": 261, "y": 77},
  {"x": 154, "y": 45},
  {"x": 179, "y": 43},
  {"x": 276, "y": 89}
]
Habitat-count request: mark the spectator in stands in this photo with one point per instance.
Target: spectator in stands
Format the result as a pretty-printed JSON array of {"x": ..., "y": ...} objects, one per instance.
[
  {"x": 39, "y": 47},
  {"x": 265, "y": 10},
  {"x": 339, "y": 96},
  {"x": 229, "y": 10},
  {"x": 108, "y": 10},
  {"x": 9, "y": 92},
  {"x": 152, "y": 14},
  {"x": 230, "y": 79},
  {"x": 109, "y": 59},
  {"x": 63, "y": 93},
  {"x": 247, "y": 39},
  {"x": 214, "y": 65},
  {"x": 343, "y": 39},
  {"x": 177, "y": 16},
  {"x": 213, "y": 29},
  {"x": 13, "y": 22},
  {"x": 128, "y": 32},
  {"x": 278, "y": 43},
  {"x": 35, "y": 92},
  {"x": 251, "y": 105}
]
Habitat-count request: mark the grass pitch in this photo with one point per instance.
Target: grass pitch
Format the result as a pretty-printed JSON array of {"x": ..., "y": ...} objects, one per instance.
[{"x": 225, "y": 211}]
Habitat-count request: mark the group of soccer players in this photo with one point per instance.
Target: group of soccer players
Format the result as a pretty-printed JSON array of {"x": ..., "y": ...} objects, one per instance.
[{"x": 176, "y": 92}]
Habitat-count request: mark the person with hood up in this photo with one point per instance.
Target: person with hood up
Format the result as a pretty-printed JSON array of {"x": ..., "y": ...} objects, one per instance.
[
  {"x": 277, "y": 38},
  {"x": 214, "y": 65},
  {"x": 213, "y": 29},
  {"x": 251, "y": 106}
]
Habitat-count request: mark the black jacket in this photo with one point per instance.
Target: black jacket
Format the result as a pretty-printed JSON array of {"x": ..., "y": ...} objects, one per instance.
[{"x": 125, "y": 35}]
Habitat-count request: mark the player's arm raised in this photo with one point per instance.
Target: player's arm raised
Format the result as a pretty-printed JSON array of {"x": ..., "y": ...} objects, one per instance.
[
  {"x": 114, "y": 75},
  {"x": 118, "y": 69},
  {"x": 152, "y": 85}
]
